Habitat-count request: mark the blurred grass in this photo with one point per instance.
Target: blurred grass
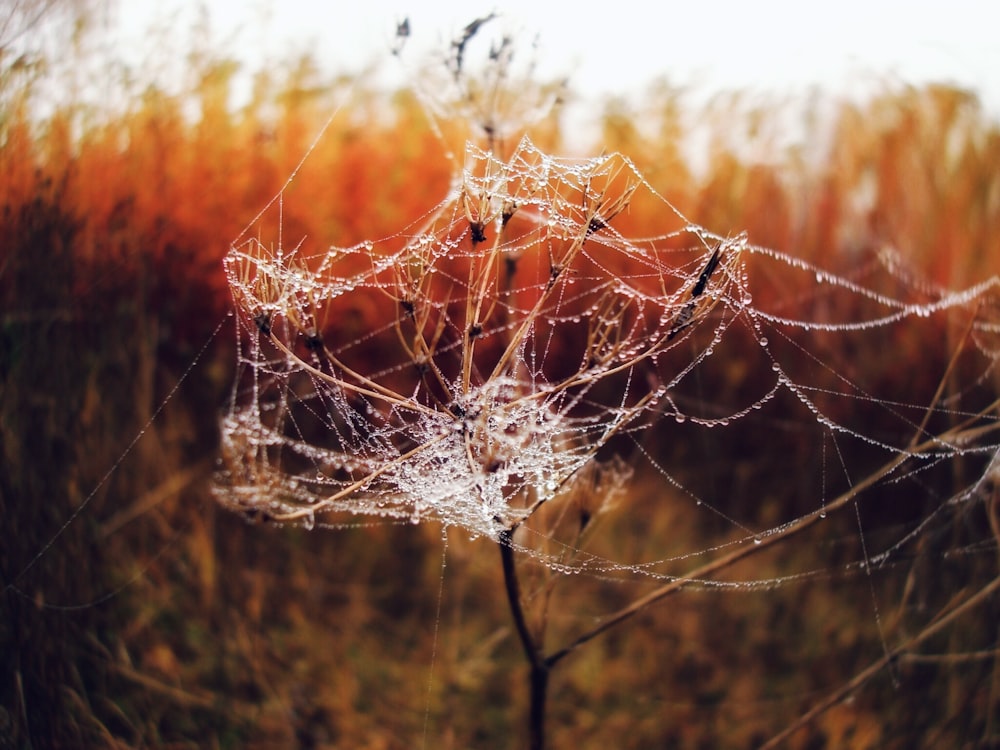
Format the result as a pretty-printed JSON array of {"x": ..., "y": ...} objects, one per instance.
[{"x": 155, "y": 620}]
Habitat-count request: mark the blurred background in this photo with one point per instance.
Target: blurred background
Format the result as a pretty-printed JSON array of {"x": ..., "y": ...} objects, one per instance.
[{"x": 136, "y": 145}]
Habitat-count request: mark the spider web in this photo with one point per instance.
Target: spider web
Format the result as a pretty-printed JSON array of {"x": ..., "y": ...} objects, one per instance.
[
  {"x": 526, "y": 361},
  {"x": 508, "y": 340},
  {"x": 502, "y": 355}
]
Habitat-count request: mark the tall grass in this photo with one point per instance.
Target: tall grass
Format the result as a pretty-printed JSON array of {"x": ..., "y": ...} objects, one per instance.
[{"x": 192, "y": 627}]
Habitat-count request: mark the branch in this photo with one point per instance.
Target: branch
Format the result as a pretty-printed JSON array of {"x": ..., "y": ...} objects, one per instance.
[
  {"x": 794, "y": 528},
  {"x": 539, "y": 665},
  {"x": 975, "y": 600}
]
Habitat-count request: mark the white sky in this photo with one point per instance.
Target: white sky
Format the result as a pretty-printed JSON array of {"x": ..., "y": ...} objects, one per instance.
[{"x": 616, "y": 45}]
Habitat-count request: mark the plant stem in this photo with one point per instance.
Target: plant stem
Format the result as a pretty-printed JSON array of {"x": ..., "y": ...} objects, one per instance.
[
  {"x": 539, "y": 676},
  {"x": 960, "y": 434},
  {"x": 939, "y": 624},
  {"x": 539, "y": 688}
]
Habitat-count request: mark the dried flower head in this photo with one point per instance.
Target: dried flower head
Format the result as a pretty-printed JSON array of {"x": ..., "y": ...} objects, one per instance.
[{"x": 526, "y": 333}]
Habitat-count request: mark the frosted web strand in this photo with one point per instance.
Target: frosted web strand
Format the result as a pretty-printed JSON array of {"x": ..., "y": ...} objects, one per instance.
[{"x": 517, "y": 331}]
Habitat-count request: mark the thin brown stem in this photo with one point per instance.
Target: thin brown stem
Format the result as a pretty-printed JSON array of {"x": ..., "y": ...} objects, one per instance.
[
  {"x": 368, "y": 388},
  {"x": 943, "y": 383},
  {"x": 866, "y": 674},
  {"x": 539, "y": 666},
  {"x": 712, "y": 568},
  {"x": 993, "y": 510}
]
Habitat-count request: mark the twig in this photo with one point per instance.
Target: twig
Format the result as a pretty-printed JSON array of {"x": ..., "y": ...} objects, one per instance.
[
  {"x": 176, "y": 695},
  {"x": 174, "y": 484},
  {"x": 769, "y": 540},
  {"x": 943, "y": 383},
  {"x": 539, "y": 677},
  {"x": 975, "y": 600}
]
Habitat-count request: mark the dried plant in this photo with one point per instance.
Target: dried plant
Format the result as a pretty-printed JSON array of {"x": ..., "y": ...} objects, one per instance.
[
  {"x": 519, "y": 334},
  {"x": 486, "y": 83},
  {"x": 483, "y": 368}
]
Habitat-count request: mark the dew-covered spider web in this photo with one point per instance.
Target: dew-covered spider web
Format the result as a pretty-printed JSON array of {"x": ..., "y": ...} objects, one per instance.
[
  {"x": 513, "y": 347},
  {"x": 506, "y": 341},
  {"x": 530, "y": 362}
]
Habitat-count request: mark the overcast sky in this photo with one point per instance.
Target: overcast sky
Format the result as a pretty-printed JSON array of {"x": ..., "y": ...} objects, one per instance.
[{"x": 616, "y": 45}]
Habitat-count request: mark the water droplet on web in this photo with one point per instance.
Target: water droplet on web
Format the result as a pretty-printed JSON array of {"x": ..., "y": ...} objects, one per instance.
[
  {"x": 763, "y": 341},
  {"x": 680, "y": 418},
  {"x": 757, "y": 539}
]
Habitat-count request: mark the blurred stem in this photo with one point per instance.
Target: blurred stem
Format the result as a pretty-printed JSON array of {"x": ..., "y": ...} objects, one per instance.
[
  {"x": 539, "y": 675},
  {"x": 961, "y": 434},
  {"x": 993, "y": 509},
  {"x": 944, "y": 619}
]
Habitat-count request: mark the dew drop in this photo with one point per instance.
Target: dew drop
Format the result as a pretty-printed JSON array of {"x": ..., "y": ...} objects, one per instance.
[
  {"x": 757, "y": 540},
  {"x": 763, "y": 341}
]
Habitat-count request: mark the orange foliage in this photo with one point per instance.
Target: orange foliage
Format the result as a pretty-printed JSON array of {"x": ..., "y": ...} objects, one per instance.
[{"x": 160, "y": 193}]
